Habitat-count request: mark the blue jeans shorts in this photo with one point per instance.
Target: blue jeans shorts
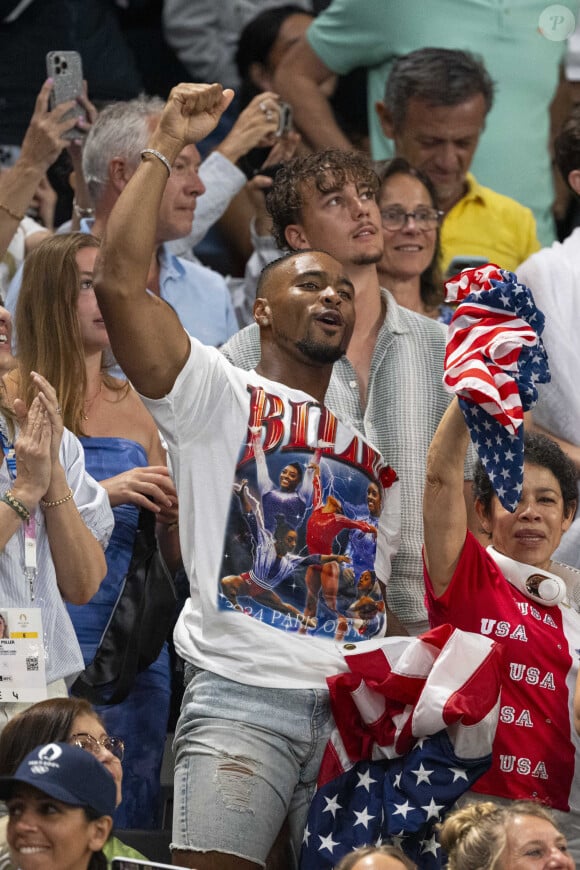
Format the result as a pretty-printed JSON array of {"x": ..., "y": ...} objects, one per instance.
[{"x": 245, "y": 758}]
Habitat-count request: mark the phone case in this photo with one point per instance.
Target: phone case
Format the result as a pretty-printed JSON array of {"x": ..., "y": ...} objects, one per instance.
[{"x": 66, "y": 70}]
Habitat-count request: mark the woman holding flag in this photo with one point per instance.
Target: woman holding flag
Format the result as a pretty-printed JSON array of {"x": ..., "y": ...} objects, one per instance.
[{"x": 525, "y": 498}]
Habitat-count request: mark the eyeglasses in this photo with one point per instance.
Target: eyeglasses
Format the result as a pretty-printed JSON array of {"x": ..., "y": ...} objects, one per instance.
[
  {"x": 91, "y": 744},
  {"x": 395, "y": 218}
]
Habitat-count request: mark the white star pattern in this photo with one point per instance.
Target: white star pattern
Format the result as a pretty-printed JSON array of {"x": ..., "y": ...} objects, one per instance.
[
  {"x": 397, "y": 780},
  {"x": 458, "y": 773},
  {"x": 430, "y": 845},
  {"x": 327, "y": 843},
  {"x": 363, "y": 818},
  {"x": 432, "y": 810},
  {"x": 402, "y": 809},
  {"x": 422, "y": 774},
  {"x": 306, "y": 837},
  {"x": 332, "y": 805},
  {"x": 364, "y": 780}
]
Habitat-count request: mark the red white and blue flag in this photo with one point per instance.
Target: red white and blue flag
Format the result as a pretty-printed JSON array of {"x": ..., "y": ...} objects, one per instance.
[
  {"x": 415, "y": 721},
  {"x": 493, "y": 361}
]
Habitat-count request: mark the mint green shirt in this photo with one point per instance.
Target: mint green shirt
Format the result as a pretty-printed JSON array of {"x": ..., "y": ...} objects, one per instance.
[{"x": 512, "y": 156}]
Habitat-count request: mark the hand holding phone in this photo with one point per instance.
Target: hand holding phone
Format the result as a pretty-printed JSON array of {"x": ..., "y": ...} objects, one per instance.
[{"x": 66, "y": 70}]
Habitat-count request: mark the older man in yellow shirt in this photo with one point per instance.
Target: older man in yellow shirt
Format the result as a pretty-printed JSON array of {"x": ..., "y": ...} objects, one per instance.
[{"x": 435, "y": 106}]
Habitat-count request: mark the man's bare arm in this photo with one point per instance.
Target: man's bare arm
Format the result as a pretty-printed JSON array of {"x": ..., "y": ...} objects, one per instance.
[
  {"x": 298, "y": 79},
  {"x": 146, "y": 336}
]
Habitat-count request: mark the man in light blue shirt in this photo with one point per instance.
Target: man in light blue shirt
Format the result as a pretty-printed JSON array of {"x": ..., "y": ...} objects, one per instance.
[{"x": 112, "y": 152}]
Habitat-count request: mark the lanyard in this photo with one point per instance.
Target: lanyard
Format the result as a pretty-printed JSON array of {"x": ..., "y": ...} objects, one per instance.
[
  {"x": 10, "y": 456},
  {"x": 30, "y": 564}
]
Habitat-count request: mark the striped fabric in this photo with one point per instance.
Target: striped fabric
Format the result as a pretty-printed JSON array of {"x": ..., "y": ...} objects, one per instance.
[{"x": 493, "y": 360}]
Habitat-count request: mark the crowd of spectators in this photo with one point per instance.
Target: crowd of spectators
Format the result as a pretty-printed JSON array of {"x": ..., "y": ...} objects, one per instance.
[{"x": 222, "y": 300}]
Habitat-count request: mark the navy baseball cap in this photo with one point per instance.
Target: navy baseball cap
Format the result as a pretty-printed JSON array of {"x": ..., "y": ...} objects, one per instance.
[{"x": 66, "y": 773}]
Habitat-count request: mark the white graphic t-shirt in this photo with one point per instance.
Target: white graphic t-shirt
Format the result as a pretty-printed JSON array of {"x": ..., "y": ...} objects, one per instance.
[{"x": 288, "y": 523}]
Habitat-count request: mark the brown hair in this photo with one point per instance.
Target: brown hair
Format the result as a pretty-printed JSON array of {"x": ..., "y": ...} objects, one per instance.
[
  {"x": 47, "y": 326},
  {"x": 475, "y": 836},
  {"x": 324, "y": 171},
  {"x": 48, "y": 721},
  {"x": 431, "y": 284},
  {"x": 567, "y": 145}
]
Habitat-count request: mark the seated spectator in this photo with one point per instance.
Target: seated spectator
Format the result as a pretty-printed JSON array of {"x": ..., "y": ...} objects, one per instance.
[
  {"x": 62, "y": 720},
  {"x": 490, "y": 836},
  {"x": 376, "y": 858},
  {"x": 411, "y": 221},
  {"x": 123, "y": 451},
  {"x": 43, "y": 475},
  {"x": 553, "y": 275},
  {"x": 435, "y": 105},
  {"x": 60, "y": 804}
]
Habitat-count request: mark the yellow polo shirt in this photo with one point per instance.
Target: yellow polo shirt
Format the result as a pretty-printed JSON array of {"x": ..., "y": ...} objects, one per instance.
[{"x": 489, "y": 225}]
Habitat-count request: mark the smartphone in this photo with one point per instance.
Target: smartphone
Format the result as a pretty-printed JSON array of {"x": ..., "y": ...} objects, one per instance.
[
  {"x": 457, "y": 264},
  {"x": 285, "y": 120},
  {"x": 65, "y": 68}
]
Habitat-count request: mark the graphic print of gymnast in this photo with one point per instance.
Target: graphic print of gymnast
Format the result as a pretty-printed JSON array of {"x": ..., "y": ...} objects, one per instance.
[{"x": 274, "y": 561}]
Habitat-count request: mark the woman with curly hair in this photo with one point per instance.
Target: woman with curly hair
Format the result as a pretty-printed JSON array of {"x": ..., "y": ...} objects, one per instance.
[{"x": 518, "y": 836}]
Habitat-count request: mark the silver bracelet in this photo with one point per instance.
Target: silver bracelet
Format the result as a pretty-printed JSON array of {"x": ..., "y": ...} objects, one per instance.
[
  {"x": 82, "y": 212},
  {"x": 159, "y": 156}
]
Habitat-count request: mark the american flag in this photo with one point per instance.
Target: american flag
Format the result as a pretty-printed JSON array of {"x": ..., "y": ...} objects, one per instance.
[
  {"x": 493, "y": 361},
  {"x": 415, "y": 721}
]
